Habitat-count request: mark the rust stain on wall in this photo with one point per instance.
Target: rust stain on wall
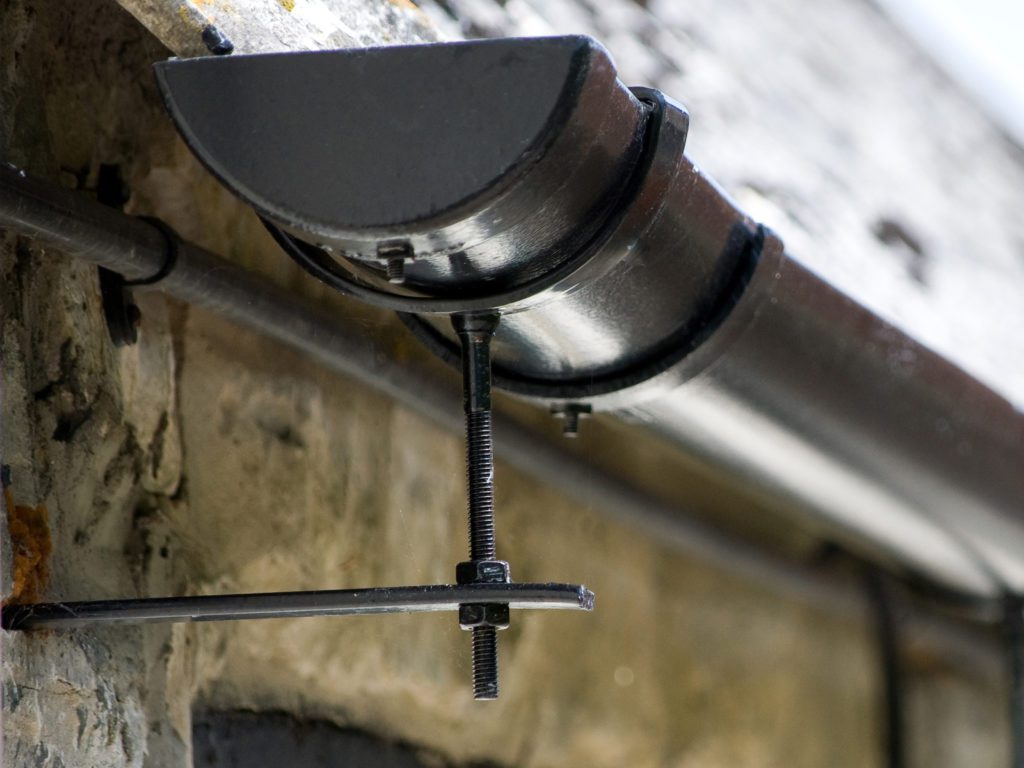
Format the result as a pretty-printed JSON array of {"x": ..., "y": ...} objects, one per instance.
[{"x": 31, "y": 546}]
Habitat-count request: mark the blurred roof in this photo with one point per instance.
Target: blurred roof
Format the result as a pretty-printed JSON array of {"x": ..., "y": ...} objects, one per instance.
[{"x": 979, "y": 44}]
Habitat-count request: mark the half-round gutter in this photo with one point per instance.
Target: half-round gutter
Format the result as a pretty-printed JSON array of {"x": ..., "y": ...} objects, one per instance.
[{"x": 626, "y": 279}]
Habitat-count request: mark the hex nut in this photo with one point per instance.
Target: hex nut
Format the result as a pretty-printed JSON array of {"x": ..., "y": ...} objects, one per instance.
[
  {"x": 483, "y": 572},
  {"x": 472, "y": 615}
]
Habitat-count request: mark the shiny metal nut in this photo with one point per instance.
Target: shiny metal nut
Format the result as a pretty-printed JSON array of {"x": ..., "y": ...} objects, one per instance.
[
  {"x": 482, "y": 572},
  {"x": 475, "y": 615}
]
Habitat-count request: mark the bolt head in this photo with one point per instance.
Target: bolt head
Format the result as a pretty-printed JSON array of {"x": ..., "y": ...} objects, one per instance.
[
  {"x": 483, "y": 572},
  {"x": 474, "y": 615}
]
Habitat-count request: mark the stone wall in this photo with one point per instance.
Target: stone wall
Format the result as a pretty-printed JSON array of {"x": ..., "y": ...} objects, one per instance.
[{"x": 207, "y": 459}]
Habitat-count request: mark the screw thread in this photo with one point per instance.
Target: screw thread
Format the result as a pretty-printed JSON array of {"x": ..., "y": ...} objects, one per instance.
[
  {"x": 395, "y": 270},
  {"x": 480, "y": 468},
  {"x": 475, "y": 333},
  {"x": 485, "y": 663}
]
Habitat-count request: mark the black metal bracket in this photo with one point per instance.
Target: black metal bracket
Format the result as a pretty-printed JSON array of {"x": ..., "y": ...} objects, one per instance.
[
  {"x": 281, "y": 605},
  {"x": 119, "y": 308}
]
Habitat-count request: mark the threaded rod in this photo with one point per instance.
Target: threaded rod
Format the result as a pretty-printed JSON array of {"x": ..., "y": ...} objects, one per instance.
[
  {"x": 480, "y": 471},
  {"x": 475, "y": 332},
  {"x": 485, "y": 663}
]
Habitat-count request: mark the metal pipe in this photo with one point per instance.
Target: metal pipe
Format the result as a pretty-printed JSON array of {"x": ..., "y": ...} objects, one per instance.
[{"x": 95, "y": 233}]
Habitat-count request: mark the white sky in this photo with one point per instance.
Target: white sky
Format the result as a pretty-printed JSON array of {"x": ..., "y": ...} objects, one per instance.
[{"x": 980, "y": 43}]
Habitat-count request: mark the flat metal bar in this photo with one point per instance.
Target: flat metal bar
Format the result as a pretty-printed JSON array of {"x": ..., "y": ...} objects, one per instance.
[{"x": 281, "y": 605}]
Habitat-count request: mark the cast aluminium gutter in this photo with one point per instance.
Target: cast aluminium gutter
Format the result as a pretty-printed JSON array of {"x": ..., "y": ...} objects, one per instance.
[
  {"x": 539, "y": 185},
  {"x": 626, "y": 279}
]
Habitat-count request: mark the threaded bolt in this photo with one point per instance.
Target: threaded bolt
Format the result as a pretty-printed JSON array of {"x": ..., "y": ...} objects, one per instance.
[
  {"x": 485, "y": 663},
  {"x": 395, "y": 270},
  {"x": 480, "y": 470},
  {"x": 216, "y": 42},
  {"x": 393, "y": 255},
  {"x": 572, "y": 413},
  {"x": 572, "y": 424},
  {"x": 475, "y": 332}
]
